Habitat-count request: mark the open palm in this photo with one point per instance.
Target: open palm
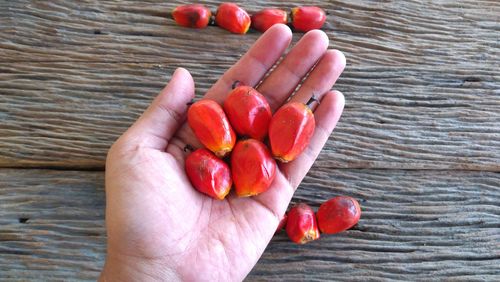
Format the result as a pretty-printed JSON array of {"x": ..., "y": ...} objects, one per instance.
[{"x": 159, "y": 227}]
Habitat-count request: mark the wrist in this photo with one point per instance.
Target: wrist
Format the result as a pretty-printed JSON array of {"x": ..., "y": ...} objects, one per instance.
[{"x": 118, "y": 268}]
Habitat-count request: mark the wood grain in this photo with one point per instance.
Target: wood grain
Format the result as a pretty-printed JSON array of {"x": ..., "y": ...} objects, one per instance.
[
  {"x": 441, "y": 32},
  {"x": 52, "y": 225},
  {"x": 68, "y": 114},
  {"x": 418, "y": 144},
  {"x": 415, "y": 225},
  {"x": 422, "y": 91}
]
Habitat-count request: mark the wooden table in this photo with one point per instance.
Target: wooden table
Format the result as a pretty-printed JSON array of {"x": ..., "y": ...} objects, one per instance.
[{"x": 418, "y": 144}]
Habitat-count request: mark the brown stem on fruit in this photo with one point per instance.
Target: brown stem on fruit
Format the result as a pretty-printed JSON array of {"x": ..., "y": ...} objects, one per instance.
[
  {"x": 289, "y": 21},
  {"x": 188, "y": 148},
  {"x": 312, "y": 100},
  {"x": 211, "y": 22},
  {"x": 237, "y": 83},
  {"x": 190, "y": 102}
]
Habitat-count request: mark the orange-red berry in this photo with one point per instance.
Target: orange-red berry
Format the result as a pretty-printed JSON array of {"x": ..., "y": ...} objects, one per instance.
[
  {"x": 248, "y": 112},
  {"x": 290, "y": 131},
  {"x": 253, "y": 169},
  {"x": 263, "y": 20},
  {"x": 338, "y": 214},
  {"x": 308, "y": 18},
  {"x": 233, "y": 18},
  {"x": 211, "y": 126},
  {"x": 301, "y": 225},
  {"x": 208, "y": 174},
  {"x": 192, "y": 15}
]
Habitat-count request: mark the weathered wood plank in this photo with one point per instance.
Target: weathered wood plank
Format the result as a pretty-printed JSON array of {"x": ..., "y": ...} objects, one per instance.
[
  {"x": 422, "y": 89},
  {"x": 52, "y": 225},
  {"x": 438, "y": 33},
  {"x": 421, "y": 83},
  {"x": 415, "y": 225},
  {"x": 68, "y": 114}
]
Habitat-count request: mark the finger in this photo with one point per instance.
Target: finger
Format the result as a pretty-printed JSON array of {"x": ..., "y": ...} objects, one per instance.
[
  {"x": 165, "y": 114},
  {"x": 291, "y": 174},
  {"x": 322, "y": 78},
  {"x": 249, "y": 70},
  {"x": 252, "y": 67},
  {"x": 326, "y": 115},
  {"x": 281, "y": 83}
]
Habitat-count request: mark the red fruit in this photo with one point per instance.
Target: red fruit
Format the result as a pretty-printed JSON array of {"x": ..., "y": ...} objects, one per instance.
[
  {"x": 338, "y": 214},
  {"x": 308, "y": 18},
  {"x": 266, "y": 18},
  {"x": 248, "y": 112},
  {"x": 252, "y": 167},
  {"x": 209, "y": 174},
  {"x": 210, "y": 124},
  {"x": 290, "y": 131},
  {"x": 301, "y": 225},
  {"x": 232, "y": 18},
  {"x": 193, "y": 15},
  {"x": 282, "y": 223}
]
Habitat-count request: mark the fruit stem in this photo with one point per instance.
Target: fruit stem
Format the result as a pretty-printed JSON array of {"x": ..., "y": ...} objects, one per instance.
[
  {"x": 188, "y": 147},
  {"x": 312, "y": 100},
  {"x": 211, "y": 22},
  {"x": 236, "y": 83}
]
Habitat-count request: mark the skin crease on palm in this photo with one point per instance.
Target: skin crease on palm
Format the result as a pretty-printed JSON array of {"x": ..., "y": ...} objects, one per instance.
[{"x": 159, "y": 227}]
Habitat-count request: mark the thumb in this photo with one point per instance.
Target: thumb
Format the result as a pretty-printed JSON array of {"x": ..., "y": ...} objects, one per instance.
[{"x": 165, "y": 114}]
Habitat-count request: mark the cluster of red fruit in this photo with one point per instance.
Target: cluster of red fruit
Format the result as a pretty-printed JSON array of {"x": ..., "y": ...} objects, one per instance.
[
  {"x": 334, "y": 216},
  {"x": 235, "y": 19},
  {"x": 252, "y": 165}
]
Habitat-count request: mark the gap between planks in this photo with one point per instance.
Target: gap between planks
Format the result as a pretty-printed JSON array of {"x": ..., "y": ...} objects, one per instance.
[{"x": 494, "y": 169}]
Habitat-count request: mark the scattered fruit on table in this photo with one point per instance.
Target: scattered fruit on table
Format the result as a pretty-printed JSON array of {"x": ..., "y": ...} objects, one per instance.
[
  {"x": 233, "y": 18},
  {"x": 264, "y": 19},
  {"x": 338, "y": 214},
  {"x": 192, "y": 15},
  {"x": 209, "y": 174},
  {"x": 301, "y": 225},
  {"x": 308, "y": 18}
]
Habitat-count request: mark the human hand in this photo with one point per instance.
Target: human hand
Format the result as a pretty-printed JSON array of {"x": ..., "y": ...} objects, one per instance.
[{"x": 159, "y": 227}]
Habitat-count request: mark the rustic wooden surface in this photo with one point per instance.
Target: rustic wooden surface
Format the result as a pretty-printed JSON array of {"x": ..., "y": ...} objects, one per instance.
[
  {"x": 418, "y": 144},
  {"x": 415, "y": 224}
]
